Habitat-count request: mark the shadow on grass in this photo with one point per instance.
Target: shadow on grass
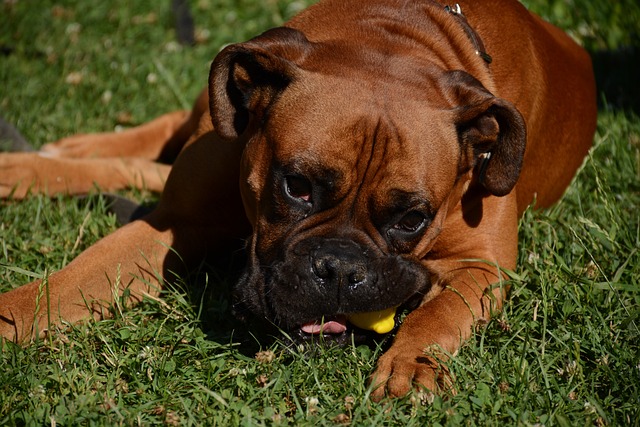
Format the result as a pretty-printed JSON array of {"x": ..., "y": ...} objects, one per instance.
[{"x": 617, "y": 78}]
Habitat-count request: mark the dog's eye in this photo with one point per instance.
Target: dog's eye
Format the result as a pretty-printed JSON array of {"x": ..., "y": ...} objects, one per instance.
[
  {"x": 298, "y": 188},
  {"x": 411, "y": 222}
]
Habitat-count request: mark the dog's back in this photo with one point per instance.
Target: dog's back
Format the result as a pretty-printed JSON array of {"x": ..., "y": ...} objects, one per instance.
[{"x": 559, "y": 103}]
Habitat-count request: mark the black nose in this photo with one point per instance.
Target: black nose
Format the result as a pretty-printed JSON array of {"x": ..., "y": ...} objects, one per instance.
[{"x": 340, "y": 262}]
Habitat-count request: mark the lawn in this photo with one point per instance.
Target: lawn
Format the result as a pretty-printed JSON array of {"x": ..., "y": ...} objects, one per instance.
[{"x": 565, "y": 351}]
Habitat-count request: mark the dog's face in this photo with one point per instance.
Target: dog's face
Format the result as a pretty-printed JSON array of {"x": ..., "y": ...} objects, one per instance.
[{"x": 349, "y": 171}]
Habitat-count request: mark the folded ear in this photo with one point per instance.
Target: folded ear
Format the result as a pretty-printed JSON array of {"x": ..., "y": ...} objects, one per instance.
[
  {"x": 491, "y": 131},
  {"x": 246, "y": 78}
]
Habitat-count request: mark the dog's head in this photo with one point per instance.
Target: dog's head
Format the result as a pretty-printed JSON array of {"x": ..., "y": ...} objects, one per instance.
[{"x": 351, "y": 164}]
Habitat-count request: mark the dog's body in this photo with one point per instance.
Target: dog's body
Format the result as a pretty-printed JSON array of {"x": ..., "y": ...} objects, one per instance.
[{"x": 377, "y": 152}]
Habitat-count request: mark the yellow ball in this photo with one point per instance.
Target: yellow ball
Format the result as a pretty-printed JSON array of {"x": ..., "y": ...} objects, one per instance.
[{"x": 380, "y": 322}]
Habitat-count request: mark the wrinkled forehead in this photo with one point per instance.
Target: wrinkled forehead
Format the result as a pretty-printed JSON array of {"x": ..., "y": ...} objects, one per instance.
[
  {"x": 316, "y": 115},
  {"x": 390, "y": 138}
]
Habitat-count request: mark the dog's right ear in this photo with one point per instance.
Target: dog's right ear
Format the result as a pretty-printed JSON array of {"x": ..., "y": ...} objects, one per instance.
[{"x": 246, "y": 78}]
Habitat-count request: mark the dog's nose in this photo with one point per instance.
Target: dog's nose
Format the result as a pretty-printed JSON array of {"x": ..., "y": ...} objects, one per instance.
[{"x": 341, "y": 262}]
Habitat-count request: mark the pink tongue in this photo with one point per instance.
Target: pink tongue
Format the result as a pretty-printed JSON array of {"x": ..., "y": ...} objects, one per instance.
[{"x": 336, "y": 326}]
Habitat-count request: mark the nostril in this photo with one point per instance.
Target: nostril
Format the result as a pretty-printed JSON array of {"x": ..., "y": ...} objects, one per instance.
[
  {"x": 356, "y": 272},
  {"x": 357, "y": 277},
  {"x": 322, "y": 267}
]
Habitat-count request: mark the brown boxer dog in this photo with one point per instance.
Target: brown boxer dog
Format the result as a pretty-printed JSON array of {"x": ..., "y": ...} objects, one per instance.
[{"x": 384, "y": 152}]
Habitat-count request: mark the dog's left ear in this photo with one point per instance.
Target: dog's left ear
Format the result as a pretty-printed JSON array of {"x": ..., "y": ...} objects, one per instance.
[
  {"x": 246, "y": 78},
  {"x": 491, "y": 131}
]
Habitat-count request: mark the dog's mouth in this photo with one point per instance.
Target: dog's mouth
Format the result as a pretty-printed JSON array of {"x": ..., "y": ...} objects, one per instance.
[
  {"x": 282, "y": 299},
  {"x": 331, "y": 326},
  {"x": 340, "y": 330}
]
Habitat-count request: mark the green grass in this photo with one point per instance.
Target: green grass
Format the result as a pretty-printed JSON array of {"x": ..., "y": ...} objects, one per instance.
[{"x": 565, "y": 351}]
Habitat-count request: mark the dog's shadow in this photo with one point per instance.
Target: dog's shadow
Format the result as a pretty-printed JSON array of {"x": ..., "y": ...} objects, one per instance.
[{"x": 616, "y": 74}]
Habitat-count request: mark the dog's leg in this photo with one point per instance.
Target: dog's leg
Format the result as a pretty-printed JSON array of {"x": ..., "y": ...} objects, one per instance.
[
  {"x": 466, "y": 292},
  {"x": 24, "y": 173},
  {"x": 146, "y": 140},
  {"x": 110, "y": 161},
  {"x": 160, "y": 139},
  {"x": 200, "y": 213},
  {"x": 132, "y": 258},
  {"x": 433, "y": 332},
  {"x": 120, "y": 269}
]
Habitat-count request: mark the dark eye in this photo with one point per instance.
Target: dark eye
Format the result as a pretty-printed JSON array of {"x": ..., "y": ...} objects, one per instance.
[
  {"x": 298, "y": 188},
  {"x": 411, "y": 222}
]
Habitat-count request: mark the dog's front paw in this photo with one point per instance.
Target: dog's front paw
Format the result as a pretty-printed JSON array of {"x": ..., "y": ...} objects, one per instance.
[{"x": 404, "y": 368}]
